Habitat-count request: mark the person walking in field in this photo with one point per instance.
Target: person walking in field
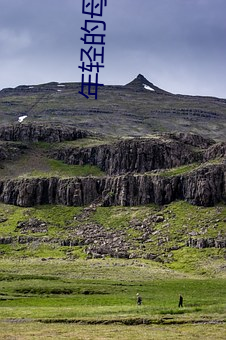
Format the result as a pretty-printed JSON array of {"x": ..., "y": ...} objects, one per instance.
[
  {"x": 180, "y": 301},
  {"x": 139, "y": 299}
]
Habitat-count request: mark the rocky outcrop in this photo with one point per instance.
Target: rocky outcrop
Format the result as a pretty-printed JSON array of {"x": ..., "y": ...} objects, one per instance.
[
  {"x": 128, "y": 156},
  {"x": 98, "y": 241},
  {"x": 11, "y": 151},
  {"x": 125, "y": 163},
  {"x": 201, "y": 243},
  {"x": 205, "y": 186},
  {"x": 191, "y": 139},
  {"x": 29, "y": 192},
  {"x": 215, "y": 151},
  {"x": 33, "y": 225},
  {"x": 34, "y": 133},
  {"x": 6, "y": 240},
  {"x": 38, "y": 240}
]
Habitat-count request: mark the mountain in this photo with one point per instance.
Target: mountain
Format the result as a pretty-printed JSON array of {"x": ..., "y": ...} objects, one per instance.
[
  {"x": 138, "y": 108},
  {"x": 140, "y": 172},
  {"x": 64, "y": 188},
  {"x": 100, "y": 199},
  {"x": 140, "y": 83}
]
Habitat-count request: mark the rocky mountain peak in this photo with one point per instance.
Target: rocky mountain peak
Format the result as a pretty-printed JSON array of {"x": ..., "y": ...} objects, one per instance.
[
  {"x": 140, "y": 83},
  {"x": 141, "y": 77}
]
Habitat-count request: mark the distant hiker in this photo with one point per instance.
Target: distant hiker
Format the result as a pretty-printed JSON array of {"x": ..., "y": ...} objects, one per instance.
[
  {"x": 139, "y": 299},
  {"x": 180, "y": 301}
]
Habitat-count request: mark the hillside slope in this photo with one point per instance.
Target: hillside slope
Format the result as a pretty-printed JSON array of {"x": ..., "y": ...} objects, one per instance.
[{"x": 138, "y": 108}]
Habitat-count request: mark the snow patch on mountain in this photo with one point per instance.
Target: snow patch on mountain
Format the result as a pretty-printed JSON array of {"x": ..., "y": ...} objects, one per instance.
[
  {"x": 148, "y": 87},
  {"x": 21, "y": 118}
]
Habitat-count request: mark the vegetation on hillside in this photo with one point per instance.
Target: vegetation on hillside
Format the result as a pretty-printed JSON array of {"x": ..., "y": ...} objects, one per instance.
[{"x": 179, "y": 221}]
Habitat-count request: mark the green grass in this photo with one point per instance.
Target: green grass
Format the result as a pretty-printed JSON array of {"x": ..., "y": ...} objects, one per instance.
[
  {"x": 36, "y": 163},
  {"x": 119, "y": 217},
  {"x": 204, "y": 261},
  {"x": 67, "y": 291},
  {"x": 181, "y": 221},
  {"x": 80, "y": 143},
  {"x": 36, "y": 331},
  {"x": 12, "y": 216},
  {"x": 184, "y": 169},
  {"x": 180, "y": 170},
  {"x": 55, "y": 216},
  {"x": 60, "y": 169},
  {"x": 87, "y": 142}
]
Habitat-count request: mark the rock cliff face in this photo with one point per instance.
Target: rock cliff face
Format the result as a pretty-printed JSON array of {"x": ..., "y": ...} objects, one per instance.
[
  {"x": 215, "y": 151},
  {"x": 202, "y": 187},
  {"x": 10, "y": 151},
  {"x": 206, "y": 187},
  {"x": 35, "y": 133},
  {"x": 131, "y": 155},
  {"x": 125, "y": 163},
  {"x": 191, "y": 139}
]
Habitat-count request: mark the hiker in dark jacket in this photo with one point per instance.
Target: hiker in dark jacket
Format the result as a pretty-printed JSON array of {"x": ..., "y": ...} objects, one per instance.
[
  {"x": 180, "y": 301},
  {"x": 139, "y": 299}
]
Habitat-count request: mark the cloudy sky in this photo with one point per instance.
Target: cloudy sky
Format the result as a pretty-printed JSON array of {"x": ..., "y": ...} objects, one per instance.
[{"x": 179, "y": 45}]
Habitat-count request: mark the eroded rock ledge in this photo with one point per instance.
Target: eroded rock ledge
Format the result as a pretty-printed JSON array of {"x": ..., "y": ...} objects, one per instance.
[
  {"x": 37, "y": 132},
  {"x": 144, "y": 155},
  {"x": 131, "y": 155},
  {"x": 205, "y": 186},
  {"x": 126, "y": 163}
]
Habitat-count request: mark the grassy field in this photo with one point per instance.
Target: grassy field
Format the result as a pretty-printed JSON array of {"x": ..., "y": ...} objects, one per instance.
[
  {"x": 96, "y": 299},
  {"x": 38, "y": 331},
  {"x": 52, "y": 291},
  {"x": 113, "y": 332},
  {"x": 46, "y": 293}
]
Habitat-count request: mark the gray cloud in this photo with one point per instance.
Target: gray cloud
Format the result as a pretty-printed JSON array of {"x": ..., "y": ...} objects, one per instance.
[{"x": 177, "y": 44}]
